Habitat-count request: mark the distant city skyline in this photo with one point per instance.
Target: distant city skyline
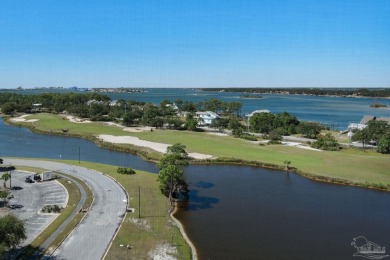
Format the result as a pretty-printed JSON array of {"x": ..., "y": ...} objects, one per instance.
[{"x": 195, "y": 44}]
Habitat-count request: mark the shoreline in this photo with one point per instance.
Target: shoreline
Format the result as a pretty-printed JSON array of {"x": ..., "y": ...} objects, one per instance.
[
  {"x": 214, "y": 161},
  {"x": 144, "y": 151},
  {"x": 194, "y": 254}
]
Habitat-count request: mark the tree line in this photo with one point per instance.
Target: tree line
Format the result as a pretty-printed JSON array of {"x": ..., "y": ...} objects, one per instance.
[{"x": 363, "y": 92}]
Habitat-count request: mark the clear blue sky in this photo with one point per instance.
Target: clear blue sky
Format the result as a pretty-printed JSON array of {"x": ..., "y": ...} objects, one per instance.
[{"x": 185, "y": 43}]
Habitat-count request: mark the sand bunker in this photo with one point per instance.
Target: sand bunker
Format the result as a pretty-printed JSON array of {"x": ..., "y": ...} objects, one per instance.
[
  {"x": 136, "y": 129},
  {"x": 23, "y": 119},
  {"x": 77, "y": 120},
  {"x": 159, "y": 147},
  {"x": 299, "y": 145},
  {"x": 219, "y": 134}
]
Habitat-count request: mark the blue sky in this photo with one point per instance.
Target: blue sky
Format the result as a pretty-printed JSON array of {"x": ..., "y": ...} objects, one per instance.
[{"x": 297, "y": 43}]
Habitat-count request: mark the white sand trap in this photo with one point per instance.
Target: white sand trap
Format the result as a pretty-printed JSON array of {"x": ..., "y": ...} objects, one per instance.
[
  {"x": 77, "y": 120},
  {"x": 136, "y": 129},
  {"x": 159, "y": 147},
  {"x": 299, "y": 145},
  {"x": 113, "y": 124},
  {"x": 23, "y": 119},
  {"x": 219, "y": 134}
]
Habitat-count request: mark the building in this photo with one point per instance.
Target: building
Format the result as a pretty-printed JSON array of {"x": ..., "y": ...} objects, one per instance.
[
  {"x": 258, "y": 112},
  {"x": 364, "y": 121},
  {"x": 206, "y": 118}
]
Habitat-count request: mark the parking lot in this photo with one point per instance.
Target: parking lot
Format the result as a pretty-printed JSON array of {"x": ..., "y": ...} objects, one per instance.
[{"x": 29, "y": 198}]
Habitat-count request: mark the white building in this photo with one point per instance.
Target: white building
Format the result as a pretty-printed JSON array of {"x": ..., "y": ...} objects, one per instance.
[
  {"x": 258, "y": 112},
  {"x": 207, "y": 117}
]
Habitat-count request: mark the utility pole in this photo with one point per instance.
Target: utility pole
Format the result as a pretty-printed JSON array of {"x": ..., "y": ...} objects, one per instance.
[
  {"x": 247, "y": 124},
  {"x": 139, "y": 201},
  {"x": 79, "y": 154}
]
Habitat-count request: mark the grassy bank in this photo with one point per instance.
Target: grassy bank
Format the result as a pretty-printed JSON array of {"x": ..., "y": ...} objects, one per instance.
[{"x": 352, "y": 165}]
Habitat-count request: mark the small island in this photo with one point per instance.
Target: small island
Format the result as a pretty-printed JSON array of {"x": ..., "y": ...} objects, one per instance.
[{"x": 378, "y": 105}]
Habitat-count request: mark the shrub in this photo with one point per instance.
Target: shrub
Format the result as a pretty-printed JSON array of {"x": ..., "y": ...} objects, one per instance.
[
  {"x": 51, "y": 209},
  {"x": 122, "y": 170},
  {"x": 326, "y": 142},
  {"x": 248, "y": 137}
]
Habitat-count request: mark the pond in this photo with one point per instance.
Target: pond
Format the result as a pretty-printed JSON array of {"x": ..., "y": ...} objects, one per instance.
[{"x": 238, "y": 212}]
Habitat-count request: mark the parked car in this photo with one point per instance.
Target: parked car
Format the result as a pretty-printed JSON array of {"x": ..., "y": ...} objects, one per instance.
[
  {"x": 37, "y": 177},
  {"x": 29, "y": 180}
]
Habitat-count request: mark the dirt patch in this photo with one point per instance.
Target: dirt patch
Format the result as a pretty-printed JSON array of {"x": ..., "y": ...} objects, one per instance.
[
  {"x": 163, "y": 252},
  {"x": 142, "y": 223}
]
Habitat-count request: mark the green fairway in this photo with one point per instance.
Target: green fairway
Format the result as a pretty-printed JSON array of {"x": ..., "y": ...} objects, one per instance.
[{"x": 349, "y": 164}]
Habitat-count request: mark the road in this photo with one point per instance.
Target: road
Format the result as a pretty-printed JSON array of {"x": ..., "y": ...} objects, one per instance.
[{"x": 92, "y": 236}]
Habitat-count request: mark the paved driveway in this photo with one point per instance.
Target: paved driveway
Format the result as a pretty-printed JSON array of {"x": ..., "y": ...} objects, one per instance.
[
  {"x": 92, "y": 236},
  {"x": 29, "y": 198}
]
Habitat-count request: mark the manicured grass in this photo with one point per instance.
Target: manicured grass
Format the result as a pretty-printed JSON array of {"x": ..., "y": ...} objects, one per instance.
[
  {"x": 155, "y": 227},
  {"x": 55, "y": 124},
  {"x": 350, "y": 164}
]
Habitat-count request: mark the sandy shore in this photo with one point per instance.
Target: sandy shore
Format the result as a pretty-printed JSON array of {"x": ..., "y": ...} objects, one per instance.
[{"x": 159, "y": 147}]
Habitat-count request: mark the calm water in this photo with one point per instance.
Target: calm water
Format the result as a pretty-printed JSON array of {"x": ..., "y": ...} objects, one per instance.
[
  {"x": 244, "y": 212},
  {"x": 252, "y": 213},
  {"x": 334, "y": 111}
]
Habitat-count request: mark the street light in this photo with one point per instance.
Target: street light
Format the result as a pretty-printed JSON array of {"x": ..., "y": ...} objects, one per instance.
[{"x": 247, "y": 121}]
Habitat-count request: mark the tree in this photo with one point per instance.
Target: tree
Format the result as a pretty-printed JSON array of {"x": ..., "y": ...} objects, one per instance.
[
  {"x": 171, "y": 175},
  {"x": 8, "y": 108},
  {"x": 326, "y": 142},
  {"x": 377, "y": 129},
  {"x": 1, "y": 161},
  {"x": 220, "y": 123},
  {"x": 234, "y": 123},
  {"x": 384, "y": 144},
  {"x": 309, "y": 129},
  {"x": 12, "y": 231},
  {"x": 191, "y": 123},
  {"x": 5, "y": 177},
  {"x": 5, "y": 196},
  {"x": 276, "y": 135},
  {"x": 262, "y": 122}
]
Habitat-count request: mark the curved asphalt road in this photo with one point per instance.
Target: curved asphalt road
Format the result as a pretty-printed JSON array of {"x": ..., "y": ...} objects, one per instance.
[{"x": 92, "y": 236}]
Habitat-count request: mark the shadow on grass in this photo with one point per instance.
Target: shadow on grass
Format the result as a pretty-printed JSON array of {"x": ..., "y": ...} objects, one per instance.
[
  {"x": 27, "y": 252},
  {"x": 7, "y": 168}
]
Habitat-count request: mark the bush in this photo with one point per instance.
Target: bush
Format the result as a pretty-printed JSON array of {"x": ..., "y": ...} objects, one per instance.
[
  {"x": 122, "y": 170},
  {"x": 274, "y": 142},
  {"x": 384, "y": 144},
  {"x": 248, "y": 137},
  {"x": 51, "y": 209},
  {"x": 326, "y": 142}
]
